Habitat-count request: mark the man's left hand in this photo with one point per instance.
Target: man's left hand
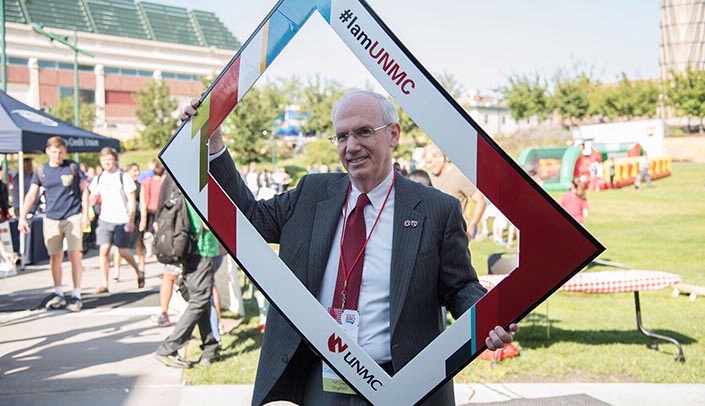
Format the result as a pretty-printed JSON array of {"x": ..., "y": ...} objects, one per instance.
[{"x": 501, "y": 336}]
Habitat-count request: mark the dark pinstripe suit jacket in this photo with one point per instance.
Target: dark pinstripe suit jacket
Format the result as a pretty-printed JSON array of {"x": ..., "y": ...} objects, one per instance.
[{"x": 430, "y": 265}]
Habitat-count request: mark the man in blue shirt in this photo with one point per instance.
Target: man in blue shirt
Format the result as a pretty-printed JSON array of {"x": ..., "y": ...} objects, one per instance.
[{"x": 66, "y": 216}]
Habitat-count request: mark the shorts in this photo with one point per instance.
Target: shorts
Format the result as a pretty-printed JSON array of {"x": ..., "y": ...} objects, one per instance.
[
  {"x": 112, "y": 233},
  {"x": 172, "y": 270},
  {"x": 135, "y": 238},
  {"x": 55, "y": 231},
  {"x": 151, "y": 218}
]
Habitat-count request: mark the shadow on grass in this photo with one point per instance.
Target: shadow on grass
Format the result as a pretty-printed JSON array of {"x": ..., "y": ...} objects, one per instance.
[
  {"x": 535, "y": 335},
  {"x": 247, "y": 337}
]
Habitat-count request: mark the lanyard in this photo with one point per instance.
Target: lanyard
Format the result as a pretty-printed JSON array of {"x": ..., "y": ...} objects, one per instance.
[{"x": 347, "y": 274}]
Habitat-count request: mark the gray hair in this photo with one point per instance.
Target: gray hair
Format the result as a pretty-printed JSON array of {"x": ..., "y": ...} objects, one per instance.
[{"x": 390, "y": 115}]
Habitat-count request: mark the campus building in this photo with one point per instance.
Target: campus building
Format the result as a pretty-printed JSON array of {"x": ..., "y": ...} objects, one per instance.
[
  {"x": 133, "y": 43},
  {"x": 490, "y": 112}
]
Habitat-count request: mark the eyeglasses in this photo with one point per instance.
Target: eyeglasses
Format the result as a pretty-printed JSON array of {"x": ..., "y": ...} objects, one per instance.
[{"x": 359, "y": 134}]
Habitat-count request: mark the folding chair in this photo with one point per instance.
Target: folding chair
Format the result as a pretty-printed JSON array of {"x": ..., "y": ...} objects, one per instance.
[{"x": 502, "y": 263}]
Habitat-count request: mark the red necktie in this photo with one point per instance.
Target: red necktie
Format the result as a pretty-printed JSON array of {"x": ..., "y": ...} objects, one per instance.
[{"x": 353, "y": 247}]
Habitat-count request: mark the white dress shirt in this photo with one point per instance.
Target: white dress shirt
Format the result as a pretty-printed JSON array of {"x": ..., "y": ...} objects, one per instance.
[{"x": 373, "y": 305}]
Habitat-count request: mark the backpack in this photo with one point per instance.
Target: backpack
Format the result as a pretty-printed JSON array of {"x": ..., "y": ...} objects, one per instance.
[
  {"x": 122, "y": 181},
  {"x": 173, "y": 241},
  {"x": 122, "y": 192}
]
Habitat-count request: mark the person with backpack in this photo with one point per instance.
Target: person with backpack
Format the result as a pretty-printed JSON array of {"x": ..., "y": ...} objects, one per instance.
[
  {"x": 198, "y": 274},
  {"x": 65, "y": 217},
  {"x": 117, "y": 214},
  {"x": 171, "y": 271},
  {"x": 136, "y": 241}
]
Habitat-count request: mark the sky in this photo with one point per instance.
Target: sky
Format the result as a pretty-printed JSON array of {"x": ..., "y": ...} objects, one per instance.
[{"x": 480, "y": 43}]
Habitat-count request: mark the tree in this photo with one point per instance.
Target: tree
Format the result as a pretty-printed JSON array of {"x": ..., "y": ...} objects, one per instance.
[
  {"x": 252, "y": 122},
  {"x": 155, "y": 110},
  {"x": 526, "y": 97},
  {"x": 321, "y": 151},
  {"x": 571, "y": 97},
  {"x": 686, "y": 93},
  {"x": 64, "y": 110},
  {"x": 318, "y": 97},
  {"x": 630, "y": 99},
  {"x": 451, "y": 84}
]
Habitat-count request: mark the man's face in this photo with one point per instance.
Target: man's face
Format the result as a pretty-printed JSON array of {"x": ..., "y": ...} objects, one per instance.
[
  {"x": 56, "y": 155},
  {"x": 134, "y": 171},
  {"x": 434, "y": 163},
  {"x": 368, "y": 161},
  {"x": 108, "y": 163}
]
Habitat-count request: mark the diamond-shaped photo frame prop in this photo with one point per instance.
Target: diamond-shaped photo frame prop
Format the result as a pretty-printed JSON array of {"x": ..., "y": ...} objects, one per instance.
[{"x": 553, "y": 246}]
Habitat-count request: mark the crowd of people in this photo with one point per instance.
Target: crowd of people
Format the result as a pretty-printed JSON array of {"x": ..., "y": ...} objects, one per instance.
[
  {"x": 115, "y": 209},
  {"x": 120, "y": 207},
  {"x": 367, "y": 196}
]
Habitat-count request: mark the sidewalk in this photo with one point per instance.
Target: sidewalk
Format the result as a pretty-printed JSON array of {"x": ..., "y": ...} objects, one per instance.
[{"x": 103, "y": 356}]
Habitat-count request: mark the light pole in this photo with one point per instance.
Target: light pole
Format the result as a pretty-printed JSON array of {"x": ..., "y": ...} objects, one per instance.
[
  {"x": 64, "y": 40},
  {"x": 272, "y": 137},
  {"x": 4, "y": 48},
  {"x": 3, "y": 56}
]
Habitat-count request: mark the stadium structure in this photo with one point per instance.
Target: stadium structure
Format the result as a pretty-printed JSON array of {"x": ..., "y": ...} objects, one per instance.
[
  {"x": 132, "y": 43},
  {"x": 682, "y": 36}
]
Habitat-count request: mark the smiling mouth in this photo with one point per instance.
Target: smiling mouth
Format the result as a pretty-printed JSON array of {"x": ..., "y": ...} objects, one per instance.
[{"x": 357, "y": 160}]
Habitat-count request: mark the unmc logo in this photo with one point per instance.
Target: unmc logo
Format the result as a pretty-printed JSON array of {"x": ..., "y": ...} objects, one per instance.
[{"x": 336, "y": 344}]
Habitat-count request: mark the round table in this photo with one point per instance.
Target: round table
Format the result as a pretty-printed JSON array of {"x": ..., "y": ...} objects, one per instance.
[{"x": 615, "y": 281}]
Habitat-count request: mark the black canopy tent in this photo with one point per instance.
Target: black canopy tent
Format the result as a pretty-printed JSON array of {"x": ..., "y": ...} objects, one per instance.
[{"x": 25, "y": 129}]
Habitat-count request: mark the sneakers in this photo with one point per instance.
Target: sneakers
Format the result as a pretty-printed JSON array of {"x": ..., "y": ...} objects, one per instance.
[
  {"x": 75, "y": 304},
  {"x": 209, "y": 355},
  {"x": 140, "y": 279},
  {"x": 55, "y": 302},
  {"x": 173, "y": 360},
  {"x": 161, "y": 320}
]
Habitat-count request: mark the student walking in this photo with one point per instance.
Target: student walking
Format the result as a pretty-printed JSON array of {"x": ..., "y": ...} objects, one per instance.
[
  {"x": 117, "y": 213},
  {"x": 198, "y": 275},
  {"x": 65, "y": 217}
]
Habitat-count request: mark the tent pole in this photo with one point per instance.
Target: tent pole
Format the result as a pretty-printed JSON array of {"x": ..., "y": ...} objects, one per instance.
[{"x": 20, "y": 170}]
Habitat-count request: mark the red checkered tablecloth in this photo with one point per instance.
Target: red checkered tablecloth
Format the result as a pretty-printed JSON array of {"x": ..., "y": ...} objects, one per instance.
[
  {"x": 490, "y": 281},
  {"x": 620, "y": 281},
  {"x": 606, "y": 281}
]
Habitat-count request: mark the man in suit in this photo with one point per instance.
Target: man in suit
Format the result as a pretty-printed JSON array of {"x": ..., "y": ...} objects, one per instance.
[{"x": 407, "y": 274}]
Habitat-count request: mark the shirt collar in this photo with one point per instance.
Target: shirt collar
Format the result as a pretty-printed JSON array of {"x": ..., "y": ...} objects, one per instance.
[{"x": 376, "y": 195}]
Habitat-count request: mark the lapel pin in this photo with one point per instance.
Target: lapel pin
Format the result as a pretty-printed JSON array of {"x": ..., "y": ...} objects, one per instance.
[{"x": 411, "y": 223}]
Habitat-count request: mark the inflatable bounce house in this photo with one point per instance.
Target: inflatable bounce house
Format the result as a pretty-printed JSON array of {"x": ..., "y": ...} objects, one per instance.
[{"x": 595, "y": 149}]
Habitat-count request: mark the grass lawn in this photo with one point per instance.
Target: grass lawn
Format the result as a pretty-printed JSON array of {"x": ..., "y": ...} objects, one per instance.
[{"x": 593, "y": 338}]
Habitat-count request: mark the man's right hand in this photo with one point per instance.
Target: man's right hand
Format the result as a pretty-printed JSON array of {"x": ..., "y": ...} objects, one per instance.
[
  {"x": 190, "y": 110},
  {"x": 22, "y": 225},
  {"x": 215, "y": 141}
]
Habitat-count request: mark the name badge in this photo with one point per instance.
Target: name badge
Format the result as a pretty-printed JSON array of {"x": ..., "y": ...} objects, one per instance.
[{"x": 350, "y": 321}]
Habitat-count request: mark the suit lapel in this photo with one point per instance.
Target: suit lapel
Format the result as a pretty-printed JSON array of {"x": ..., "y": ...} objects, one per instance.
[
  {"x": 404, "y": 246},
  {"x": 324, "y": 225}
]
